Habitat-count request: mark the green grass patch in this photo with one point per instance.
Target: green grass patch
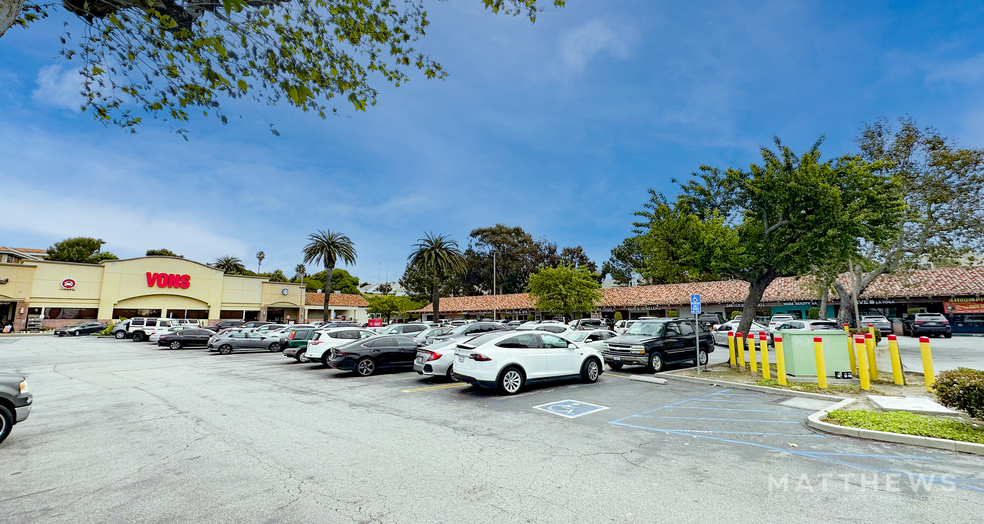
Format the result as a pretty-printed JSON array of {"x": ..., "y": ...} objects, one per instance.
[
  {"x": 909, "y": 424},
  {"x": 814, "y": 388}
]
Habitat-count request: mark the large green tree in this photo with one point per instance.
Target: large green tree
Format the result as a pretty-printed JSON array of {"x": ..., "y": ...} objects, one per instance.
[
  {"x": 943, "y": 188},
  {"x": 439, "y": 255},
  {"x": 783, "y": 217},
  {"x": 341, "y": 281},
  {"x": 84, "y": 250},
  {"x": 624, "y": 263},
  {"x": 418, "y": 282},
  {"x": 175, "y": 59},
  {"x": 328, "y": 247},
  {"x": 564, "y": 290},
  {"x": 162, "y": 253}
]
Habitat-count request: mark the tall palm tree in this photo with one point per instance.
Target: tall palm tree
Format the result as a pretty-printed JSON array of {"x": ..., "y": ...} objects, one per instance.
[
  {"x": 230, "y": 265},
  {"x": 442, "y": 256},
  {"x": 327, "y": 247},
  {"x": 299, "y": 272},
  {"x": 259, "y": 260}
]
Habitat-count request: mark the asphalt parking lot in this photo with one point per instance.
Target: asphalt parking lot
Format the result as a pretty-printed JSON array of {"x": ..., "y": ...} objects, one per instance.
[{"x": 126, "y": 432}]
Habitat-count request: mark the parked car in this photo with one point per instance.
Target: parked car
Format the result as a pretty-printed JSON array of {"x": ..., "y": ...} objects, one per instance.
[
  {"x": 655, "y": 343},
  {"x": 586, "y": 323},
  {"x": 404, "y": 329},
  {"x": 237, "y": 341},
  {"x": 421, "y": 337},
  {"x": 365, "y": 357},
  {"x": 155, "y": 335},
  {"x": 514, "y": 323},
  {"x": 511, "y": 360},
  {"x": 720, "y": 333},
  {"x": 266, "y": 329},
  {"x": 141, "y": 327},
  {"x": 777, "y": 320},
  {"x": 119, "y": 330},
  {"x": 85, "y": 328},
  {"x": 880, "y": 322},
  {"x": 594, "y": 338},
  {"x": 318, "y": 349},
  {"x": 549, "y": 326},
  {"x": 622, "y": 325},
  {"x": 465, "y": 330},
  {"x": 15, "y": 402},
  {"x": 185, "y": 338},
  {"x": 225, "y": 324},
  {"x": 926, "y": 323},
  {"x": 809, "y": 325},
  {"x": 296, "y": 343},
  {"x": 438, "y": 359}
]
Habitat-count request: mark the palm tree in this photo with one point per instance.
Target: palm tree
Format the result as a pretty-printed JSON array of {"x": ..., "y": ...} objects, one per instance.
[
  {"x": 259, "y": 260},
  {"x": 230, "y": 265},
  {"x": 441, "y": 255},
  {"x": 329, "y": 246},
  {"x": 299, "y": 272}
]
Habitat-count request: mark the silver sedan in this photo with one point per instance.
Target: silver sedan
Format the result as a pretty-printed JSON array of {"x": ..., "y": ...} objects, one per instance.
[
  {"x": 228, "y": 342},
  {"x": 720, "y": 333},
  {"x": 436, "y": 359}
]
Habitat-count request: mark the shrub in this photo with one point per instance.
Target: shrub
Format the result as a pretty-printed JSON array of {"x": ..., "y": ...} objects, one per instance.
[
  {"x": 813, "y": 313},
  {"x": 962, "y": 389},
  {"x": 109, "y": 329},
  {"x": 914, "y": 310},
  {"x": 673, "y": 313},
  {"x": 530, "y": 318},
  {"x": 878, "y": 333},
  {"x": 735, "y": 314},
  {"x": 618, "y": 316}
]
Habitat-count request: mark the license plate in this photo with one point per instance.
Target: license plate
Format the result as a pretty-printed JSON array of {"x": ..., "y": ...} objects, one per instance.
[
  {"x": 616, "y": 358},
  {"x": 459, "y": 358}
]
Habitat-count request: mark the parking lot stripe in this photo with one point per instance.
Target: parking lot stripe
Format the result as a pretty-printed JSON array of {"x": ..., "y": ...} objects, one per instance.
[
  {"x": 797, "y": 413},
  {"x": 736, "y": 420},
  {"x": 443, "y": 386}
]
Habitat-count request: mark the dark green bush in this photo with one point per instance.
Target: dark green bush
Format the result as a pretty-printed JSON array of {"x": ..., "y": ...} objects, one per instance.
[
  {"x": 813, "y": 313},
  {"x": 878, "y": 334},
  {"x": 962, "y": 389},
  {"x": 734, "y": 314}
]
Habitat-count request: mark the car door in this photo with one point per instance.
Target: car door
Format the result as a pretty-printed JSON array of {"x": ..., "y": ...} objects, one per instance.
[
  {"x": 528, "y": 351},
  {"x": 688, "y": 340},
  {"x": 561, "y": 359},
  {"x": 408, "y": 351},
  {"x": 596, "y": 339},
  {"x": 198, "y": 337},
  {"x": 673, "y": 344},
  {"x": 384, "y": 350}
]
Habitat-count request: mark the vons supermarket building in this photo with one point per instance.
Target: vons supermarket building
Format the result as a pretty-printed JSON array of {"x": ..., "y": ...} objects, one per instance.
[{"x": 41, "y": 293}]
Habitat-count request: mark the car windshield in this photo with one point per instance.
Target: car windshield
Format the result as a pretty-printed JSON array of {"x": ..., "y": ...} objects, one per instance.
[
  {"x": 649, "y": 329},
  {"x": 484, "y": 338},
  {"x": 933, "y": 316},
  {"x": 577, "y": 336},
  {"x": 874, "y": 319},
  {"x": 459, "y": 330},
  {"x": 825, "y": 326}
]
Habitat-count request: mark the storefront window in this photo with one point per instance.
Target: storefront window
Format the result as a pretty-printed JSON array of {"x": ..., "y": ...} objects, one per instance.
[
  {"x": 71, "y": 313},
  {"x": 130, "y": 313},
  {"x": 33, "y": 311},
  {"x": 231, "y": 314},
  {"x": 252, "y": 315},
  {"x": 200, "y": 314}
]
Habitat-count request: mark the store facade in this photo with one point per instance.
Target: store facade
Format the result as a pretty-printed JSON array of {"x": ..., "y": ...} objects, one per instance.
[{"x": 45, "y": 294}]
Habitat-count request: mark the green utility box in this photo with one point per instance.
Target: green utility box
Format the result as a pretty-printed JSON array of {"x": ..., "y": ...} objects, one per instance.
[{"x": 797, "y": 347}]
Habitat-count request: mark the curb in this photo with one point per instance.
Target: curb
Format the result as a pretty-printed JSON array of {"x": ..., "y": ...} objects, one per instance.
[
  {"x": 651, "y": 380},
  {"x": 751, "y": 387}
]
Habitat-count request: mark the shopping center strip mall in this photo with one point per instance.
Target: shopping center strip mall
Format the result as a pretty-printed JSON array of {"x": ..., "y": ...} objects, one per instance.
[{"x": 40, "y": 294}]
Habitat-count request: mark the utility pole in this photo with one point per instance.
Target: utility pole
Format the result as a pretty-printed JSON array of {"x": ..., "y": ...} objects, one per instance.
[{"x": 494, "y": 317}]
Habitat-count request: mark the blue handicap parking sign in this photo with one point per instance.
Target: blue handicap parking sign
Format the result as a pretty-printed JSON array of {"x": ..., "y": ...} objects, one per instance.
[
  {"x": 570, "y": 408},
  {"x": 695, "y": 304}
]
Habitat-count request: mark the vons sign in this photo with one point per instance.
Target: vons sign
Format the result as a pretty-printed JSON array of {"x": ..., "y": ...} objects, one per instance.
[{"x": 168, "y": 280}]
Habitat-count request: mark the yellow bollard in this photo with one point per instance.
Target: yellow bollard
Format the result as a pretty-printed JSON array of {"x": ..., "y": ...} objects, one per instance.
[
  {"x": 893, "y": 350},
  {"x": 731, "y": 348},
  {"x": 740, "y": 342},
  {"x": 821, "y": 368},
  {"x": 780, "y": 362},
  {"x": 869, "y": 346},
  {"x": 853, "y": 363},
  {"x": 862, "y": 363},
  {"x": 927, "y": 358},
  {"x": 764, "y": 346},
  {"x": 752, "y": 359}
]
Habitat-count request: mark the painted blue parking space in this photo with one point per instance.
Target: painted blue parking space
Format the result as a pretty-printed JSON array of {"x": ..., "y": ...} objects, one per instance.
[{"x": 570, "y": 408}]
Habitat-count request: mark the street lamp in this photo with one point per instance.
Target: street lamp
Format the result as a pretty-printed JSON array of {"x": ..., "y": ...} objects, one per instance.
[{"x": 494, "y": 317}]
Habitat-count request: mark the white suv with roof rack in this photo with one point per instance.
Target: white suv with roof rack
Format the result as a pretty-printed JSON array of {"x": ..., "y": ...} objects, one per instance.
[{"x": 142, "y": 328}]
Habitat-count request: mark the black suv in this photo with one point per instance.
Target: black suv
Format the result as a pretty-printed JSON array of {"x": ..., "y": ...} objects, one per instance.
[
  {"x": 15, "y": 402},
  {"x": 926, "y": 324},
  {"x": 655, "y": 343}
]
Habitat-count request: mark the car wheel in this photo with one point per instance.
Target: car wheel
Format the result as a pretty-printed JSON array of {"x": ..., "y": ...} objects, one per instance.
[
  {"x": 275, "y": 347},
  {"x": 365, "y": 367},
  {"x": 301, "y": 356},
  {"x": 225, "y": 349},
  {"x": 511, "y": 381},
  {"x": 75, "y": 333},
  {"x": 656, "y": 362},
  {"x": 324, "y": 358},
  {"x": 947, "y": 335},
  {"x": 590, "y": 370},
  {"x": 6, "y": 422},
  {"x": 702, "y": 357},
  {"x": 615, "y": 365},
  {"x": 913, "y": 333},
  {"x": 138, "y": 337},
  {"x": 450, "y": 373},
  {"x": 120, "y": 335},
  {"x": 174, "y": 345}
]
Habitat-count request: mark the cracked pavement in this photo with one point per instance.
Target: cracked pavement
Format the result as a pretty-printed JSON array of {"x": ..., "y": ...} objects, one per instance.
[{"x": 127, "y": 432}]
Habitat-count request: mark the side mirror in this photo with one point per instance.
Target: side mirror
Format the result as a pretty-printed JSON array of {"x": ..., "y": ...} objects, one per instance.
[{"x": 571, "y": 346}]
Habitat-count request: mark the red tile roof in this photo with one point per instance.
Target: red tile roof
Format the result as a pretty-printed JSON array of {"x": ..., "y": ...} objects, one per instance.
[
  {"x": 25, "y": 250},
  {"x": 336, "y": 299},
  {"x": 938, "y": 282}
]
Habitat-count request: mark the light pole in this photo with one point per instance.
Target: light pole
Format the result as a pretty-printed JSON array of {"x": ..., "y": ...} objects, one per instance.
[{"x": 494, "y": 317}]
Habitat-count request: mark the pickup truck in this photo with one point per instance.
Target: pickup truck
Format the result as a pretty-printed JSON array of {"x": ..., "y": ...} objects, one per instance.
[{"x": 655, "y": 343}]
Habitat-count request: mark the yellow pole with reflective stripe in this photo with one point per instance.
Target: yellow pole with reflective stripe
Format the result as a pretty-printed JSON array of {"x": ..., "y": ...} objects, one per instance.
[
  {"x": 731, "y": 348},
  {"x": 869, "y": 346},
  {"x": 780, "y": 362},
  {"x": 752, "y": 361},
  {"x": 740, "y": 341},
  {"x": 893, "y": 350},
  {"x": 764, "y": 346},
  {"x": 821, "y": 367},
  {"x": 862, "y": 362},
  {"x": 927, "y": 358},
  {"x": 850, "y": 350}
]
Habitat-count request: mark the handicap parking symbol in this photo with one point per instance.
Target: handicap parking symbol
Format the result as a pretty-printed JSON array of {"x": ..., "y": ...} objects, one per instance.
[{"x": 570, "y": 408}]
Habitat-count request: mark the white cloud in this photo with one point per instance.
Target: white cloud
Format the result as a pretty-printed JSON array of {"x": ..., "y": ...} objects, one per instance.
[
  {"x": 586, "y": 41},
  {"x": 970, "y": 70},
  {"x": 57, "y": 88}
]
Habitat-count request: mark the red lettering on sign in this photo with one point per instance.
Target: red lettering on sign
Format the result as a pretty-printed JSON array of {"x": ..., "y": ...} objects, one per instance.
[
  {"x": 168, "y": 280},
  {"x": 162, "y": 280},
  {"x": 151, "y": 278},
  {"x": 185, "y": 281},
  {"x": 173, "y": 280}
]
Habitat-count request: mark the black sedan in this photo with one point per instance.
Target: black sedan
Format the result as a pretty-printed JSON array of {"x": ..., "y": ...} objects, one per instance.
[
  {"x": 84, "y": 328},
  {"x": 366, "y": 356},
  {"x": 185, "y": 338}
]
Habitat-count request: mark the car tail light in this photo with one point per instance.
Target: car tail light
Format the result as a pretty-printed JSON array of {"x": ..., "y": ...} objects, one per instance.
[
  {"x": 479, "y": 357},
  {"x": 920, "y": 321},
  {"x": 944, "y": 321},
  {"x": 433, "y": 355},
  {"x": 315, "y": 342}
]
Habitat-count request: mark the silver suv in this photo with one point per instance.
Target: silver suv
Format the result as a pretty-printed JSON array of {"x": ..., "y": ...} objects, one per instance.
[{"x": 142, "y": 327}]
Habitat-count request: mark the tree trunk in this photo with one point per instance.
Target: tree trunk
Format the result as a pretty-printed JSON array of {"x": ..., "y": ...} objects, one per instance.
[
  {"x": 756, "y": 290},
  {"x": 846, "y": 313},
  {"x": 328, "y": 270},
  {"x": 824, "y": 299},
  {"x": 9, "y": 9},
  {"x": 435, "y": 295}
]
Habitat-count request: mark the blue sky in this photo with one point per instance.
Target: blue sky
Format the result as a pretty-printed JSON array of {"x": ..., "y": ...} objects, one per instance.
[{"x": 558, "y": 127}]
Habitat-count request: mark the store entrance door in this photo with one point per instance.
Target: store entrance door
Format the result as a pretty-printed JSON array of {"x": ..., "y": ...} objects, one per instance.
[{"x": 7, "y": 312}]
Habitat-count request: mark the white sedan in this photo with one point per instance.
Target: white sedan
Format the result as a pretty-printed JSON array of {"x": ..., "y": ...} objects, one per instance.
[
  {"x": 720, "y": 333},
  {"x": 508, "y": 361},
  {"x": 595, "y": 338},
  {"x": 326, "y": 339}
]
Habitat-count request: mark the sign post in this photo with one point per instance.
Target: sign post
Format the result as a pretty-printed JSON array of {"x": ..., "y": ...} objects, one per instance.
[{"x": 695, "y": 309}]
